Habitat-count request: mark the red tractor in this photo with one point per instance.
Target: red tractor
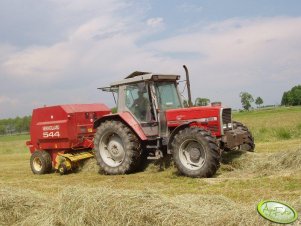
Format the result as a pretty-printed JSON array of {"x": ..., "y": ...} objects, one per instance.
[{"x": 152, "y": 121}]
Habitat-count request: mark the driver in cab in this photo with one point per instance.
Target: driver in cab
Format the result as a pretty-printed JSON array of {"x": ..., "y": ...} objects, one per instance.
[{"x": 141, "y": 105}]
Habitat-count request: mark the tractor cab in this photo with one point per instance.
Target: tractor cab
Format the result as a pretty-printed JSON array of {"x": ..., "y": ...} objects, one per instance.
[{"x": 146, "y": 97}]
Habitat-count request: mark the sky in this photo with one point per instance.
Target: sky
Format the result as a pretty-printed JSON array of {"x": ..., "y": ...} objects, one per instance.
[{"x": 60, "y": 51}]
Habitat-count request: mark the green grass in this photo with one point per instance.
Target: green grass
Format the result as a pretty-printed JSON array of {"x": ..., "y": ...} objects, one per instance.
[
  {"x": 272, "y": 124},
  {"x": 155, "y": 197},
  {"x": 15, "y": 137},
  {"x": 283, "y": 133}
]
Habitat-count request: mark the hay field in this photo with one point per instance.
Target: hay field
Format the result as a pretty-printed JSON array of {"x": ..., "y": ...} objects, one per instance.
[{"x": 155, "y": 197}]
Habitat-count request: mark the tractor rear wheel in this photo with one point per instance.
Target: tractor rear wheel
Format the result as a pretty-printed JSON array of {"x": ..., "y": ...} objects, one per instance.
[
  {"x": 196, "y": 152},
  {"x": 40, "y": 162},
  {"x": 249, "y": 145},
  {"x": 117, "y": 148}
]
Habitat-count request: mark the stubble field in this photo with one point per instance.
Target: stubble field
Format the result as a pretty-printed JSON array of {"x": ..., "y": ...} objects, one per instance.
[{"x": 156, "y": 197}]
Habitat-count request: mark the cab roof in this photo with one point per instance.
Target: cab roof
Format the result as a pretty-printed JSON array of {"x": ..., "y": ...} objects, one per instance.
[{"x": 140, "y": 76}]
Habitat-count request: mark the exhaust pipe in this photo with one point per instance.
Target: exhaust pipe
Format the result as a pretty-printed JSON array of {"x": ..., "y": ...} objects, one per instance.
[{"x": 188, "y": 86}]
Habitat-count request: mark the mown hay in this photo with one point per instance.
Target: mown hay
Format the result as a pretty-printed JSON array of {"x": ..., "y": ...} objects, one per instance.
[
  {"x": 263, "y": 163},
  {"x": 90, "y": 166},
  {"x": 17, "y": 205},
  {"x": 105, "y": 206}
]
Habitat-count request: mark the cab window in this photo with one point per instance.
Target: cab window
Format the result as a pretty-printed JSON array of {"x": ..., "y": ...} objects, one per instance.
[{"x": 137, "y": 100}]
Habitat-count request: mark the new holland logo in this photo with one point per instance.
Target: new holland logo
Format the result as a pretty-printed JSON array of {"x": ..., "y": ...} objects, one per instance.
[{"x": 277, "y": 212}]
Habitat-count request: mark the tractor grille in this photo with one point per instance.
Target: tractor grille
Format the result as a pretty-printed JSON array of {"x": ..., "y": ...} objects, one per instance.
[{"x": 226, "y": 115}]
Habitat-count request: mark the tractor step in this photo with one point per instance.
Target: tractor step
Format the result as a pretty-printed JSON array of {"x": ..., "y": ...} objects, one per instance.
[{"x": 152, "y": 146}]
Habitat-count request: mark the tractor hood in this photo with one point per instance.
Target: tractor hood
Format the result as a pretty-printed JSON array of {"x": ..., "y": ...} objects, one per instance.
[{"x": 211, "y": 117}]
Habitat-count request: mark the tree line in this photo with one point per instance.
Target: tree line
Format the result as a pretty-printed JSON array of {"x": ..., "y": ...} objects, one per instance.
[
  {"x": 15, "y": 125},
  {"x": 247, "y": 99},
  {"x": 289, "y": 98}
]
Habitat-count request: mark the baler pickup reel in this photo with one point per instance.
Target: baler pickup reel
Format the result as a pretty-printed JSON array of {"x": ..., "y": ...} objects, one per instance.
[{"x": 71, "y": 161}]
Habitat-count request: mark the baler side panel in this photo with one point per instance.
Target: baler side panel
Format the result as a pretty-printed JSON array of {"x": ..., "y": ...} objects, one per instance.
[
  {"x": 51, "y": 128},
  {"x": 64, "y": 127}
]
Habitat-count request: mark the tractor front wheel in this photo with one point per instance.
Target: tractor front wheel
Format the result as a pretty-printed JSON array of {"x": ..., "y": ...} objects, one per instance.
[
  {"x": 40, "y": 162},
  {"x": 117, "y": 148},
  {"x": 196, "y": 153},
  {"x": 249, "y": 145}
]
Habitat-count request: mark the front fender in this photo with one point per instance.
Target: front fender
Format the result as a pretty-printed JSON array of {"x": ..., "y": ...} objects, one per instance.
[{"x": 173, "y": 134}]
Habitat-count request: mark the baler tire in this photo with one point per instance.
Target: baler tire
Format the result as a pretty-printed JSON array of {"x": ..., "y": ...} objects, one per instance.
[
  {"x": 117, "y": 148},
  {"x": 62, "y": 169},
  {"x": 194, "y": 144},
  {"x": 249, "y": 145},
  {"x": 40, "y": 162}
]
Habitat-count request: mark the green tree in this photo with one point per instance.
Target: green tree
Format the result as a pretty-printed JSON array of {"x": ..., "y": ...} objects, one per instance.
[
  {"x": 26, "y": 123},
  {"x": 2, "y": 129},
  {"x": 246, "y": 100},
  {"x": 292, "y": 97},
  {"x": 284, "y": 100},
  {"x": 259, "y": 101},
  {"x": 114, "y": 110},
  {"x": 201, "y": 101},
  {"x": 18, "y": 124},
  {"x": 15, "y": 125}
]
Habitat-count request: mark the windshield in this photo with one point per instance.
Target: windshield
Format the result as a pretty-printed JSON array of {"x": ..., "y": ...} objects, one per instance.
[{"x": 168, "y": 97}]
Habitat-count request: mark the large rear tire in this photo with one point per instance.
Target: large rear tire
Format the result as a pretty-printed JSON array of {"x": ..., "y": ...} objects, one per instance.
[
  {"x": 40, "y": 162},
  {"x": 249, "y": 145},
  {"x": 196, "y": 152},
  {"x": 117, "y": 148}
]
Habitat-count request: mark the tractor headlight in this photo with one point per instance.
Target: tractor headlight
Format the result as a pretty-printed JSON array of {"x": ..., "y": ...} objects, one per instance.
[{"x": 227, "y": 126}]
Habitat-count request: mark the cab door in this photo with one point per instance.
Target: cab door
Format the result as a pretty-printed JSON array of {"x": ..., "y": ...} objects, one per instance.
[
  {"x": 167, "y": 97},
  {"x": 138, "y": 101}
]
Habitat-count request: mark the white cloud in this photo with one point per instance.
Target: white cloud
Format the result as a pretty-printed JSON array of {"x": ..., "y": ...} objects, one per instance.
[
  {"x": 79, "y": 6},
  {"x": 188, "y": 7},
  {"x": 5, "y": 51},
  {"x": 40, "y": 63},
  {"x": 155, "y": 22},
  {"x": 95, "y": 53},
  {"x": 260, "y": 55},
  {"x": 8, "y": 100},
  {"x": 257, "y": 55}
]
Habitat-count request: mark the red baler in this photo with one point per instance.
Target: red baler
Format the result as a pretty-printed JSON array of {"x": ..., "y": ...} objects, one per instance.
[{"x": 62, "y": 136}]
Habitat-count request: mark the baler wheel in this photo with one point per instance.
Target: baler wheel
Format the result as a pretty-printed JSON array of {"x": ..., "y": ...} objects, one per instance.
[
  {"x": 40, "y": 162},
  {"x": 249, "y": 145},
  {"x": 196, "y": 152},
  {"x": 117, "y": 148},
  {"x": 62, "y": 169}
]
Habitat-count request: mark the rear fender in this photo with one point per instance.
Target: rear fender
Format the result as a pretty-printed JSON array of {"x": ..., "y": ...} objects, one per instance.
[{"x": 127, "y": 119}]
